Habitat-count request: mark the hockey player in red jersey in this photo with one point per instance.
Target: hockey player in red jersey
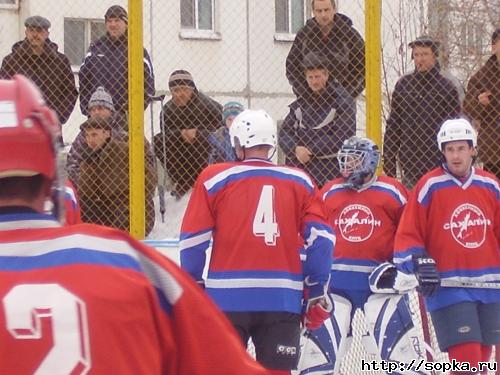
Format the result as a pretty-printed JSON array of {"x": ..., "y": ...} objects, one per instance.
[
  {"x": 72, "y": 213},
  {"x": 259, "y": 214},
  {"x": 450, "y": 234},
  {"x": 86, "y": 299},
  {"x": 364, "y": 211}
]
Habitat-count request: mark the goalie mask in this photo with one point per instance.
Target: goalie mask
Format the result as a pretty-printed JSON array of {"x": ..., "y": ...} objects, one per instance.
[
  {"x": 358, "y": 158},
  {"x": 29, "y": 132}
]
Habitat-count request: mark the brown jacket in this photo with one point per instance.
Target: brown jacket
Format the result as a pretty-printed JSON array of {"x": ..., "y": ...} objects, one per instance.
[
  {"x": 104, "y": 187},
  {"x": 486, "y": 118}
]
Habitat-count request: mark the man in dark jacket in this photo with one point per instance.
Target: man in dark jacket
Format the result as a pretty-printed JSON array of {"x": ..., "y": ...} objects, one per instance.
[
  {"x": 482, "y": 105},
  {"x": 106, "y": 64},
  {"x": 420, "y": 103},
  {"x": 37, "y": 58},
  {"x": 332, "y": 36},
  {"x": 188, "y": 120},
  {"x": 104, "y": 179},
  {"x": 318, "y": 122}
]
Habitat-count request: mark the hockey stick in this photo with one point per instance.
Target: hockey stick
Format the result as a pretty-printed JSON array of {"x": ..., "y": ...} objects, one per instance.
[{"x": 469, "y": 284}]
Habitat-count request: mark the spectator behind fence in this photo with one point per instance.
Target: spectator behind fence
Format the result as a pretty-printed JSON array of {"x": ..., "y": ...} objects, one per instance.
[
  {"x": 38, "y": 58},
  {"x": 482, "y": 105},
  {"x": 100, "y": 106},
  {"x": 220, "y": 140},
  {"x": 318, "y": 122},
  {"x": 188, "y": 119},
  {"x": 420, "y": 103},
  {"x": 106, "y": 64},
  {"x": 104, "y": 179},
  {"x": 332, "y": 36}
]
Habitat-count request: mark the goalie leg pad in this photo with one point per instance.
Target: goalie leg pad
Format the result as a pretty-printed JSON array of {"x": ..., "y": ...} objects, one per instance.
[
  {"x": 390, "y": 322},
  {"x": 321, "y": 348}
]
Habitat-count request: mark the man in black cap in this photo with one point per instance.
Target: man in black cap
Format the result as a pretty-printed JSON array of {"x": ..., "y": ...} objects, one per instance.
[
  {"x": 187, "y": 120},
  {"x": 38, "y": 58},
  {"x": 106, "y": 64},
  {"x": 421, "y": 102}
]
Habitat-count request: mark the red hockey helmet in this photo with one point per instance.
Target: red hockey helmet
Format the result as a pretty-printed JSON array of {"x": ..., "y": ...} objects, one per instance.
[{"x": 29, "y": 131}]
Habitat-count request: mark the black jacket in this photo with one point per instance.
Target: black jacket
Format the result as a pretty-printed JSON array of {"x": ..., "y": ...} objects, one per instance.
[
  {"x": 420, "y": 103},
  {"x": 343, "y": 49},
  {"x": 51, "y": 72}
]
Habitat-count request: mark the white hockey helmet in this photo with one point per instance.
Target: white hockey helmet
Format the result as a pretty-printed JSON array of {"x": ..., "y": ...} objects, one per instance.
[
  {"x": 458, "y": 129},
  {"x": 252, "y": 128}
]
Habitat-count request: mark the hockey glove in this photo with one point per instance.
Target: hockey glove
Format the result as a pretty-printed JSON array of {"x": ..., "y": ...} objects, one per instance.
[
  {"x": 427, "y": 275},
  {"x": 317, "y": 311},
  {"x": 386, "y": 278},
  {"x": 318, "y": 305}
]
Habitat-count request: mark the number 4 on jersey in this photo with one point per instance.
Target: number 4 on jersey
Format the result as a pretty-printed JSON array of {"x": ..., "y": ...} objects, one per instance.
[{"x": 264, "y": 221}]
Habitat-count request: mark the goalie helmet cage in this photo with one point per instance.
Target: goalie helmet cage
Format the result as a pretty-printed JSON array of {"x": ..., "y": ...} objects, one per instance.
[{"x": 351, "y": 362}]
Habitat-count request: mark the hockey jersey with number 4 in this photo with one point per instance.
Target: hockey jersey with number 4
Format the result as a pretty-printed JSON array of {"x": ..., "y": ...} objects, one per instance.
[
  {"x": 256, "y": 213},
  {"x": 365, "y": 223},
  {"x": 458, "y": 225}
]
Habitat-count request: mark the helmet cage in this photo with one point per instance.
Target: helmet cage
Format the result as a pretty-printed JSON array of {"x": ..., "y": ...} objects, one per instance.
[{"x": 358, "y": 158}]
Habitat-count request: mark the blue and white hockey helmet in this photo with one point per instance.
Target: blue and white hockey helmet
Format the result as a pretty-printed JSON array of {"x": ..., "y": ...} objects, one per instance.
[
  {"x": 358, "y": 158},
  {"x": 252, "y": 128}
]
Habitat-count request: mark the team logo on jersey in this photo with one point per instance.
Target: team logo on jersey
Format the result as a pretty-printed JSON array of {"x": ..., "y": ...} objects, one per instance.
[
  {"x": 356, "y": 223},
  {"x": 468, "y": 226}
]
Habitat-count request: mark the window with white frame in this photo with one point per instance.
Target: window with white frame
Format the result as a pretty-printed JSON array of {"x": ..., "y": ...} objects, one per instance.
[
  {"x": 198, "y": 14},
  {"x": 78, "y": 35},
  {"x": 9, "y": 4},
  {"x": 290, "y": 15}
]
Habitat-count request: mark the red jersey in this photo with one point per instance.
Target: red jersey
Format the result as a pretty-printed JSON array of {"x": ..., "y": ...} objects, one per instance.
[
  {"x": 458, "y": 225},
  {"x": 71, "y": 205},
  {"x": 86, "y": 299},
  {"x": 365, "y": 223},
  {"x": 258, "y": 213}
]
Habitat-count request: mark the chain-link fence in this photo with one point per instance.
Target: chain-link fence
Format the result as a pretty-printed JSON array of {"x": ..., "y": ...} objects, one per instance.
[{"x": 308, "y": 73}]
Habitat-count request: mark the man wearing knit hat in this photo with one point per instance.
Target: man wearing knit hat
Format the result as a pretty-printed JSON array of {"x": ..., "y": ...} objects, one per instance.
[
  {"x": 222, "y": 150},
  {"x": 106, "y": 64},
  {"x": 38, "y": 58},
  {"x": 104, "y": 178},
  {"x": 188, "y": 120},
  {"x": 100, "y": 107}
]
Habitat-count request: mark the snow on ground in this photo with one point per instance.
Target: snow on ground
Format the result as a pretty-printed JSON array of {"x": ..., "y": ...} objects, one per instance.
[{"x": 174, "y": 211}]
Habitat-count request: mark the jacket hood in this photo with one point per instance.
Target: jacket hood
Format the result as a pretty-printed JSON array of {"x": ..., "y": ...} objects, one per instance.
[
  {"x": 23, "y": 45},
  {"x": 339, "y": 21},
  {"x": 106, "y": 39}
]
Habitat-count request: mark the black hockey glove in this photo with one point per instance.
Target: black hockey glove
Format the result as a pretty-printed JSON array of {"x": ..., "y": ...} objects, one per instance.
[{"x": 427, "y": 275}]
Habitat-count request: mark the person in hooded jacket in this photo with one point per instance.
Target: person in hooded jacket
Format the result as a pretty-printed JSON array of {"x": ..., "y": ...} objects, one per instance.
[
  {"x": 317, "y": 123},
  {"x": 38, "y": 58},
  {"x": 332, "y": 36},
  {"x": 106, "y": 64}
]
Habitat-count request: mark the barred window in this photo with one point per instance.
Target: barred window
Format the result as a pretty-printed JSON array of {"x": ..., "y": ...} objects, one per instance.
[
  {"x": 9, "y": 4},
  {"x": 289, "y": 15},
  {"x": 197, "y": 14},
  {"x": 78, "y": 35}
]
